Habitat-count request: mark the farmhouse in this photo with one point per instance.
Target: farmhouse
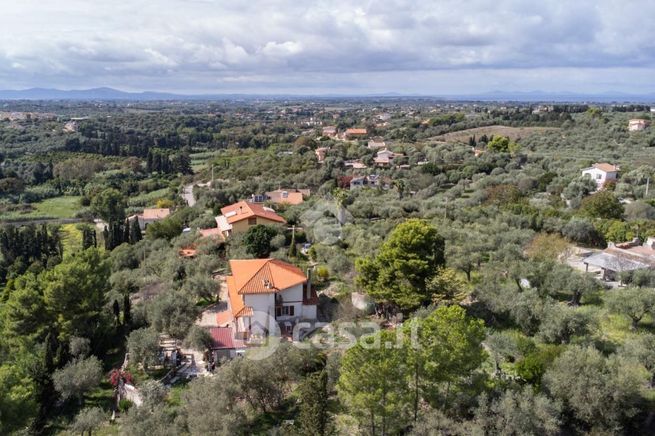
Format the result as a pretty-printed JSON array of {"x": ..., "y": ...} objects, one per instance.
[
  {"x": 321, "y": 152},
  {"x": 239, "y": 217},
  {"x": 330, "y": 131},
  {"x": 385, "y": 158},
  {"x": 282, "y": 196},
  {"x": 601, "y": 173},
  {"x": 618, "y": 258},
  {"x": 350, "y": 134},
  {"x": 637, "y": 124},
  {"x": 372, "y": 180},
  {"x": 266, "y": 292},
  {"x": 150, "y": 216},
  {"x": 375, "y": 143}
]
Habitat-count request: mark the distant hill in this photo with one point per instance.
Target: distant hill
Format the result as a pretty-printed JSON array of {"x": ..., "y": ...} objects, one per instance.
[{"x": 115, "y": 94}]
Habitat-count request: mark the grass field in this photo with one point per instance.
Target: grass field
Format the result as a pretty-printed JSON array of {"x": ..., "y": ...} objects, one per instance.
[
  {"x": 511, "y": 132},
  {"x": 148, "y": 199},
  {"x": 57, "y": 207}
]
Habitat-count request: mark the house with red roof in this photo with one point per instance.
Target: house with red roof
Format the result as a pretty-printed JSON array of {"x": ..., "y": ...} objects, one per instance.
[
  {"x": 602, "y": 173},
  {"x": 239, "y": 217},
  {"x": 264, "y": 294}
]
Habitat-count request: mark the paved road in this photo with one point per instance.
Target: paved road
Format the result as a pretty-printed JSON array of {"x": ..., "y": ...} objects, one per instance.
[{"x": 187, "y": 194}]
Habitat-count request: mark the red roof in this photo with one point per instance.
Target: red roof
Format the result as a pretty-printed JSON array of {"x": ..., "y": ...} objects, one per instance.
[
  {"x": 263, "y": 276},
  {"x": 239, "y": 211},
  {"x": 223, "y": 338}
]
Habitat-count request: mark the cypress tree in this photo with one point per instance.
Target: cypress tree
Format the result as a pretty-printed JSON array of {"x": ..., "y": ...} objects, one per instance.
[
  {"x": 313, "y": 417},
  {"x": 127, "y": 314}
]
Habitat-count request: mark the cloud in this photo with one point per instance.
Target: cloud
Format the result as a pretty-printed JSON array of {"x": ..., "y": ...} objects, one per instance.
[{"x": 204, "y": 45}]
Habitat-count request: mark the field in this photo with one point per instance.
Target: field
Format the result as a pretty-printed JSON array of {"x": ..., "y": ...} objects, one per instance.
[
  {"x": 511, "y": 132},
  {"x": 52, "y": 208}
]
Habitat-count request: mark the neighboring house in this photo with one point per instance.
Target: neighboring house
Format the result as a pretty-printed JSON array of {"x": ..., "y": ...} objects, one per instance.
[
  {"x": 287, "y": 196},
  {"x": 355, "y": 164},
  {"x": 350, "y": 134},
  {"x": 70, "y": 127},
  {"x": 376, "y": 143},
  {"x": 150, "y": 216},
  {"x": 330, "y": 131},
  {"x": 618, "y": 258},
  {"x": 263, "y": 291},
  {"x": 601, "y": 173},
  {"x": 637, "y": 124},
  {"x": 321, "y": 152},
  {"x": 239, "y": 217},
  {"x": 385, "y": 158},
  {"x": 372, "y": 180}
]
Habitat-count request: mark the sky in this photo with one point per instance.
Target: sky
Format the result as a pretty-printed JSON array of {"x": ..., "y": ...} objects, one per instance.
[{"x": 427, "y": 47}]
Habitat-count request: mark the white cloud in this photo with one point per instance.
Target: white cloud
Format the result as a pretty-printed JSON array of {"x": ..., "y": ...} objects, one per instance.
[{"x": 200, "y": 44}]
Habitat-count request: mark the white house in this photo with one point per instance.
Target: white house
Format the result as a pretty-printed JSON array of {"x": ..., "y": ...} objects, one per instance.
[
  {"x": 637, "y": 124},
  {"x": 601, "y": 173},
  {"x": 265, "y": 292},
  {"x": 151, "y": 215}
]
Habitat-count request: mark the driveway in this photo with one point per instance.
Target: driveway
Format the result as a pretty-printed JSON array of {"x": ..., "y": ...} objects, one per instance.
[{"x": 187, "y": 194}]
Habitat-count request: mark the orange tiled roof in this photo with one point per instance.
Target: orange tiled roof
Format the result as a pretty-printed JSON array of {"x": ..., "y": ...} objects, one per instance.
[
  {"x": 263, "y": 276},
  {"x": 237, "y": 305},
  {"x": 239, "y": 211},
  {"x": 355, "y": 131},
  {"x": 155, "y": 214},
  {"x": 606, "y": 167}
]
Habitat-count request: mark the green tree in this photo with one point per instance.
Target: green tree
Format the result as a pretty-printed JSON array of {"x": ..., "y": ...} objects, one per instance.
[
  {"x": 517, "y": 413},
  {"x": 77, "y": 378},
  {"x": 109, "y": 205},
  {"x": 74, "y": 293},
  {"x": 373, "y": 384},
  {"x": 502, "y": 144},
  {"x": 143, "y": 346},
  {"x": 18, "y": 406},
  {"x": 225, "y": 417},
  {"x": 258, "y": 240},
  {"x": 198, "y": 338},
  {"x": 441, "y": 349},
  {"x": 314, "y": 416},
  {"x": 603, "y": 204},
  {"x": 634, "y": 303},
  {"x": 88, "y": 420},
  {"x": 173, "y": 313},
  {"x": 600, "y": 392},
  {"x": 406, "y": 262}
]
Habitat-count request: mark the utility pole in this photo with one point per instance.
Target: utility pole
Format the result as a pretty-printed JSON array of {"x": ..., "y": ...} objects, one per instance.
[{"x": 647, "y": 186}]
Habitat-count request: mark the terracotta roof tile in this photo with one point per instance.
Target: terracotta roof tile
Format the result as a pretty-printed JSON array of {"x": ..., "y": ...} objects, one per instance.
[
  {"x": 237, "y": 306},
  {"x": 263, "y": 276},
  {"x": 155, "y": 214},
  {"x": 239, "y": 211}
]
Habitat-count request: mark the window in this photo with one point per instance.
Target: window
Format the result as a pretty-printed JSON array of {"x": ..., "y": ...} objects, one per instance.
[
  {"x": 599, "y": 176},
  {"x": 252, "y": 221},
  {"x": 284, "y": 311}
]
